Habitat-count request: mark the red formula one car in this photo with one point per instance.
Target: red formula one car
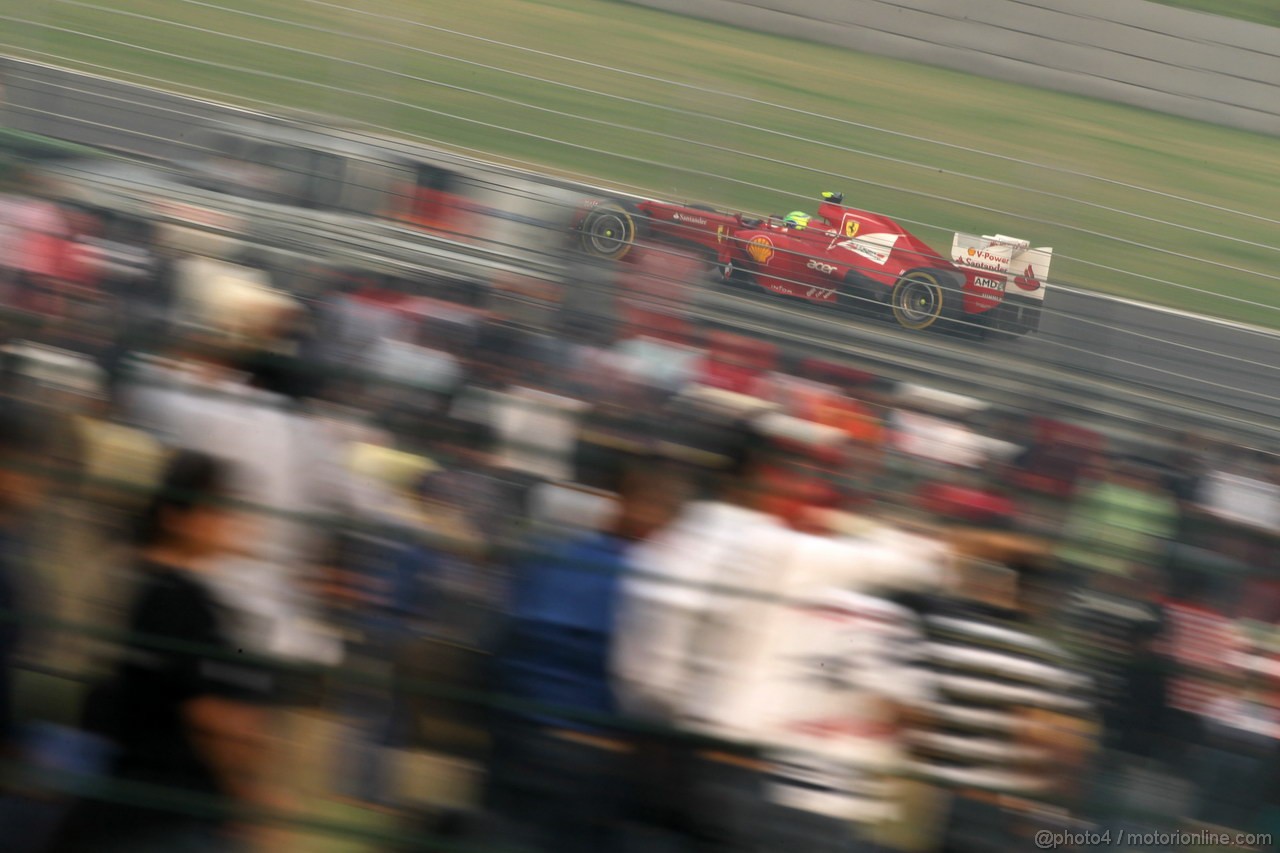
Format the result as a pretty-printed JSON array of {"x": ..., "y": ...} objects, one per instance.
[{"x": 845, "y": 257}]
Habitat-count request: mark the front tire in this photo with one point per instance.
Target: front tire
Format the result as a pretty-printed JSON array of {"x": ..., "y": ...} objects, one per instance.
[
  {"x": 609, "y": 231},
  {"x": 730, "y": 278}
]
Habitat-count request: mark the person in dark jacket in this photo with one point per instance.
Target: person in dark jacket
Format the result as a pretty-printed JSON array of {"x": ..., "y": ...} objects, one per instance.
[
  {"x": 558, "y": 767},
  {"x": 185, "y": 709},
  {"x": 1144, "y": 727}
]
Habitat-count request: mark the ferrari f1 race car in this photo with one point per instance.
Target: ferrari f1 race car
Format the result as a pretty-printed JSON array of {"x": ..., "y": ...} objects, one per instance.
[{"x": 845, "y": 257}]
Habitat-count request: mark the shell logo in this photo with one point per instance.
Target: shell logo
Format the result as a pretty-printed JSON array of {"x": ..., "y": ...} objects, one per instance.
[
  {"x": 760, "y": 249},
  {"x": 972, "y": 251}
]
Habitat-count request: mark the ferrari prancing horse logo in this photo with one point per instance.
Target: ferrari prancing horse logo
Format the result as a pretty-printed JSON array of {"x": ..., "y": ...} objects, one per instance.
[
  {"x": 760, "y": 249},
  {"x": 851, "y": 228}
]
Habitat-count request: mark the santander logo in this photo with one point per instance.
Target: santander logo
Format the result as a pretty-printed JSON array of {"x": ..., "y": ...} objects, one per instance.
[{"x": 1027, "y": 281}]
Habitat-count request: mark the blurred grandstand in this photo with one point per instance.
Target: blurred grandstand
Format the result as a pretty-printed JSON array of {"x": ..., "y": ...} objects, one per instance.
[
  {"x": 346, "y": 504},
  {"x": 448, "y": 485}
]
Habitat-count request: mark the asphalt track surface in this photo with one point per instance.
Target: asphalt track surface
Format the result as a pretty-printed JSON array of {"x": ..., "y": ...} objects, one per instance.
[{"x": 1189, "y": 359}]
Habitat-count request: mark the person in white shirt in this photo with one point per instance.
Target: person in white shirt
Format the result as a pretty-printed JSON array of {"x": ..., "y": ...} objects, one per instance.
[
  {"x": 413, "y": 364},
  {"x": 285, "y": 464},
  {"x": 706, "y": 642},
  {"x": 845, "y": 667}
]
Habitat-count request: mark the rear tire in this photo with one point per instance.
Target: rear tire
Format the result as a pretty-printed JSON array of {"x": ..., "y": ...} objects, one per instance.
[{"x": 919, "y": 300}]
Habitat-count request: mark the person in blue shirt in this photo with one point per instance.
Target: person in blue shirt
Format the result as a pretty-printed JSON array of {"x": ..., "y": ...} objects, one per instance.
[
  {"x": 558, "y": 761},
  {"x": 561, "y": 620}
]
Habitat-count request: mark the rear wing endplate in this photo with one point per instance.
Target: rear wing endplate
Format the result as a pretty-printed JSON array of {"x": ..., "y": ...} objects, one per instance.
[{"x": 1021, "y": 269}]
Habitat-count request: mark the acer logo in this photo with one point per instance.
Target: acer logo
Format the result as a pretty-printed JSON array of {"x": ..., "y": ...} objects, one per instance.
[
  {"x": 1027, "y": 281},
  {"x": 826, "y": 269}
]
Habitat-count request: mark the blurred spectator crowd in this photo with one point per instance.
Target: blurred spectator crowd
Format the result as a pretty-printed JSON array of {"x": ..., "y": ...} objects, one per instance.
[{"x": 292, "y": 559}]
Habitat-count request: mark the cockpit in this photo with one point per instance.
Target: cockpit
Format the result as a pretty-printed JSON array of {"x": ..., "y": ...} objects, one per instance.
[{"x": 829, "y": 215}]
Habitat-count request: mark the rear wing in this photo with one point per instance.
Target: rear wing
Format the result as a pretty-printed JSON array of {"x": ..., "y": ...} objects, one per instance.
[{"x": 1014, "y": 265}]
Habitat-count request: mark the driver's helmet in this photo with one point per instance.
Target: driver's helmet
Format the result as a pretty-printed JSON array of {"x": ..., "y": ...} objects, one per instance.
[{"x": 797, "y": 219}]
